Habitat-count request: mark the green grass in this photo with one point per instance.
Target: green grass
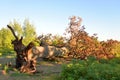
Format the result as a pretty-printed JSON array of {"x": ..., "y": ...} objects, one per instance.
[{"x": 92, "y": 69}]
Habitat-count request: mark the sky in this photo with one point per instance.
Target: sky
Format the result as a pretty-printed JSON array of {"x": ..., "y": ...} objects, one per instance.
[{"x": 52, "y": 16}]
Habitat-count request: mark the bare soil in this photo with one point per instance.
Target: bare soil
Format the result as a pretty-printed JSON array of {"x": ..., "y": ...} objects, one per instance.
[{"x": 46, "y": 70}]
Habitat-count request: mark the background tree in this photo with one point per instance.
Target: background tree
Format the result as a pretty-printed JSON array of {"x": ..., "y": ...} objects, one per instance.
[
  {"x": 17, "y": 28},
  {"x": 5, "y": 42},
  {"x": 58, "y": 41},
  {"x": 53, "y": 40},
  {"x": 81, "y": 45},
  {"x": 116, "y": 49},
  {"x": 29, "y": 32},
  {"x": 5, "y": 38}
]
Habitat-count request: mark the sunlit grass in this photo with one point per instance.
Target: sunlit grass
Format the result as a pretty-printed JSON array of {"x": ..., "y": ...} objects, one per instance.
[{"x": 46, "y": 63}]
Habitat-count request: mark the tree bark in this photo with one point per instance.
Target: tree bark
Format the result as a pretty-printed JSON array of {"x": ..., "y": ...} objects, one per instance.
[
  {"x": 22, "y": 63},
  {"x": 12, "y": 32}
]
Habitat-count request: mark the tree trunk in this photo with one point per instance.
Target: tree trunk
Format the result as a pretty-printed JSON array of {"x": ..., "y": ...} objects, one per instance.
[{"x": 21, "y": 51}]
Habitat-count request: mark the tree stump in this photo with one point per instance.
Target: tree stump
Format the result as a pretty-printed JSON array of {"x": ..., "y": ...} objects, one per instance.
[{"x": 22, "y": 62}]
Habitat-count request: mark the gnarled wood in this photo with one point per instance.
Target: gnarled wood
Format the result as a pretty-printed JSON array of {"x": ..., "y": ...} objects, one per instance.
[
  {"x": 12, "y": 31},
  {"x": 22, "y": 62}
]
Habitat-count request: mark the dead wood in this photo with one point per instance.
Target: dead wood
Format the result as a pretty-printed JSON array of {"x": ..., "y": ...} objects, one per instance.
[
  {"x": 22, "y": 62},
  {"x": 12, "y": 32}
]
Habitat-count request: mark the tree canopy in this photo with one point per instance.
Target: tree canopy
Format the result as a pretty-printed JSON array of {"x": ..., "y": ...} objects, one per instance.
[{"x": 26, "y": 30}]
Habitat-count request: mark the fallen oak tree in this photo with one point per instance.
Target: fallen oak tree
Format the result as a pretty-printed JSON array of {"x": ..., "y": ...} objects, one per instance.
[{"x": 26, "y": 55}]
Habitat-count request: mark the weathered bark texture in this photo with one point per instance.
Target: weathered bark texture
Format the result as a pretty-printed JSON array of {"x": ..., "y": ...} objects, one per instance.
[{"x": 22, "y": 62}]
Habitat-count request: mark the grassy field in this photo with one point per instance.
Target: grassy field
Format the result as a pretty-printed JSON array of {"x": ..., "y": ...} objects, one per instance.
[{"x": 90, "y": 69}]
